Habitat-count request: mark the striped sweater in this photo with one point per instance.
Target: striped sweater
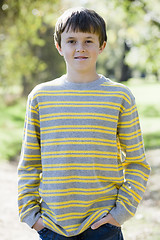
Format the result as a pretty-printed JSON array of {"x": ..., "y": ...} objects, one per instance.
[{"x": 82, "y": 155}]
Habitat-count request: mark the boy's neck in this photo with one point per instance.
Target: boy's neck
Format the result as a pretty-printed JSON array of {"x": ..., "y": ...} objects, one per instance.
[{"x": 82, "y": 77}]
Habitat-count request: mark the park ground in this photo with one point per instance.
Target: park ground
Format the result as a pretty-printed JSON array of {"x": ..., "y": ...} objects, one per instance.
[{"x": 144, "y": 226}]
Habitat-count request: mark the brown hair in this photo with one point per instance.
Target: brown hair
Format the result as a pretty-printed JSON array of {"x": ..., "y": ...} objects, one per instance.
[{"x": 83, "y": 20}]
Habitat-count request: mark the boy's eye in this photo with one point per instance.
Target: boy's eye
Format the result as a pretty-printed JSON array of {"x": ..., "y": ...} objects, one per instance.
[
  {"x": 71, "y": 41},
  {"x": 88, "y": 41}
]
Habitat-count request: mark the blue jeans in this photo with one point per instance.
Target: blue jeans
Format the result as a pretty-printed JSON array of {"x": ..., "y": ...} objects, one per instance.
[{"x": 105, "y": 232}]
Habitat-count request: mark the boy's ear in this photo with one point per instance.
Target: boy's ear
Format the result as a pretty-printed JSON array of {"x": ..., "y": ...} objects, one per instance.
[
  {"x": 102, "y": 47},
  {"x": 59, "y": 49}
]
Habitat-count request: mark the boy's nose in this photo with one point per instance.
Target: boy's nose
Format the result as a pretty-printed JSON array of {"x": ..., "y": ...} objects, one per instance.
[{"x": 80, "y": 48}]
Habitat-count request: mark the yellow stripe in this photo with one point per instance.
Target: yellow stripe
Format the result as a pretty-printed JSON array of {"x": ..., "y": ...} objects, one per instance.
[
  {"x": 135, "y": 184},
  {"x": 135, "y": 171},
  {"x": 33, "y": 123},
  {"x": 30, "y": 131},
  {"x": 80, "y": 156},
  {"x": 80, "y": 152},
  {"x": 34, "y": 136},
  {"x": 31, "y": 159},
  {"x": 92, "y": 219},
  {"x": 79, "y": 189},
  {"x": 81, "y": 106},
  {"x": 129, "y": 138},
  {"x": 79, "y": 114},
  {"x": 121, "y": 202},
  {"x": 83, "y": 117},
  {"x": 80, "y": 139},
  {"x": 29, "y": 174},
  {"x": 75, "y": 215},
  {"x": 70, "y": 202},
  {"x": 49, "y": 223},
  {"x": 28, "y": 195},
  {"x": 135, "y": 149},
  {"x": 28, "y": 185},
  {"x": 131, "y": 109},
  {"x": 128, "y": 112},
  {"x": 130, "y": 125},
  {"x": 80, "y": 102},
  {"x": 79, "y": 193},
  {"x": 129, "y": 122},
  {"x": 75, "y": 180},
  {"x": 31, "y": 144},
  {"x": 31, "y": 147},
  {"x": 82, "y": 164},
  {"x": 137, "y": 157},
  {"x": 26, "y": 155},
  {"x": 77, "y": 143},
  {"x": 138, "y": 175},
  {"x": 82, "y": 168},
  {"x": 125, "y": 200},
  {"x": 22, "y": 216},
  {"x": 78, "y": 126},
  {"x": 81, "y": 177},
  {"x": 136, "y": 196},
  {"x": 130, "y": 134},
  {"x": 131, "y": 194},
  {"x": 83, "y": 93},
  {"x": 72, "y": 226},
  {"x": 78, "y": 130},
  {"x": 27, "y": 204},
  {"x": 33, "y": 111},
  {"x": 80, "y": 205}
]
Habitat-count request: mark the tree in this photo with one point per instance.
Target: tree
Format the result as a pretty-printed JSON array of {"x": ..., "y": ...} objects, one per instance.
[{"x": 26, "y": 35}]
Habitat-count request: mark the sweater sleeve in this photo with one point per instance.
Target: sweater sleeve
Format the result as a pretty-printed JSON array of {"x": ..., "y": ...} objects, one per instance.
[
  {"x": 136, "y": 168},
  {"x": 29, "y": 169}
]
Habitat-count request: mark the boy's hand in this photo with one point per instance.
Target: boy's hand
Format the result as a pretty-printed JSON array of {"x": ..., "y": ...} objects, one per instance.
[
  {"x": 107, "y": 219},
  {"x": 38, "y": 225}
]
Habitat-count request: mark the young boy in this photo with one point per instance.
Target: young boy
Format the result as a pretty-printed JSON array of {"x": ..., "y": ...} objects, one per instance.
[{"x": 83, "y": 170}]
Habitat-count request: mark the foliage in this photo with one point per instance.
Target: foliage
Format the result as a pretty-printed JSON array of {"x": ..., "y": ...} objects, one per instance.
[
  {"x": 24, "y": 40},
  {"x": 135, "y": 25},
  {"x": 28, "y": 55}
]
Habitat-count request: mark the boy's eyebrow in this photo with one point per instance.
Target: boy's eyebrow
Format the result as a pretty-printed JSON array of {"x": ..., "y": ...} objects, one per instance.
[{"x": 89, "y": 37}]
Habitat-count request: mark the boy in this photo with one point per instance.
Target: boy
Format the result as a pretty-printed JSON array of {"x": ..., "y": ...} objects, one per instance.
[{"x": 83, "y": 169}]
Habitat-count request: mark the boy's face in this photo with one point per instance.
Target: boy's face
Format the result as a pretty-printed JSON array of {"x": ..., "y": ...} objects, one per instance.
[{"x": 80, "y": 50}]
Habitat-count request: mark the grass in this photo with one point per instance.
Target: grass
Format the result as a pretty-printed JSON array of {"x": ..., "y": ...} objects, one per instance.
[
  {"x": 11, "y": 128},
  {"x": 147, "y": 98},
  {"x": 148, "y": 102}
]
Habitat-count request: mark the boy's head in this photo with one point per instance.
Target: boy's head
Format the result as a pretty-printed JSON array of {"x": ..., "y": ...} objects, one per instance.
[{"x": 80, "y": 20}]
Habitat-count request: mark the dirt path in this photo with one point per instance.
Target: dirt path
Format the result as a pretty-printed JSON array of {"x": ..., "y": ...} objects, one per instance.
[{"x": 144, "y": 226}]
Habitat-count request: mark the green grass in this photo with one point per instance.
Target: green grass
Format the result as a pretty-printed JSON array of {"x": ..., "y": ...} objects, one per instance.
[
  {"x": 11, "y": 128},
  {"x": 148, "y": 102}
]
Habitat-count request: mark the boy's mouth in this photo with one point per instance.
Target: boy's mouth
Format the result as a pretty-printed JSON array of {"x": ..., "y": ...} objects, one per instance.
[{"x": 81, "y": 57}]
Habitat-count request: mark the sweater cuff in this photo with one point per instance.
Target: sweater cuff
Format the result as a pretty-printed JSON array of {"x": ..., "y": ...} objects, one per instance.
[
  {"x": 120, "y": 214},
  {"x": 32, "y": 218}
]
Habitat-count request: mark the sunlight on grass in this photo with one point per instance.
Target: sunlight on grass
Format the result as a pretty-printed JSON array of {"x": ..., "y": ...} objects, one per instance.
[{"x": 148, "y": 102}]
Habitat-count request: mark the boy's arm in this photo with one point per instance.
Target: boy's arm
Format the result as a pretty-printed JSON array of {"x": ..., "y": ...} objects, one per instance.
[
  {"x": 136, "y": 168},
  {"x": 29, "y": 169}
]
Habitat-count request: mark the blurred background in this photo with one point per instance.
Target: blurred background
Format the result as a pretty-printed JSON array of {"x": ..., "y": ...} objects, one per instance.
[{"x": 28, "y": 57}]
